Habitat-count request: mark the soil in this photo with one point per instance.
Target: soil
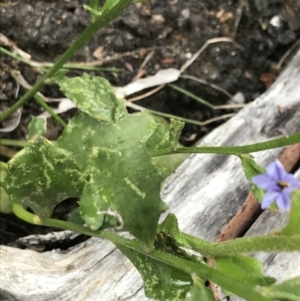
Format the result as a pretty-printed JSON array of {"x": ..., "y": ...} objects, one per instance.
[{"x": 263, "y": 30}]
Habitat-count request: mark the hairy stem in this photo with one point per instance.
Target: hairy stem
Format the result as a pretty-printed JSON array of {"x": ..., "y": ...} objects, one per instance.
[
  {"x": 267, "y": 243},
  {"x": 233, "y": 150},
  {"x": 191, "y": 268}
]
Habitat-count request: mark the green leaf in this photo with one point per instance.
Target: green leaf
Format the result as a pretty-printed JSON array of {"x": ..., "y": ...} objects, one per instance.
[
  {"x": 41, "y": 176},
  {"x": 5, "y": 205},
  {"x": 169, "y": 227},
  {"x": 89, "y": 138},
  {"x": 199, "y": 292},
  {"x": 189, "y": 267},
  {"x": 251, "y": 169},
  {"x": 288, "y": 290},
  {"x": 159, "y": 140},
  {"x": 83, "y": 133},
  {"x": 94, "y": 96},
  {"x": 168, "y": 164},
  {"x": 75, "y": 217},
  {"x": 165, "y": 138},
  {"x": 161, "y": 280},
  {"x": 293, "y": 225},
  {"x": 37, "y": 126},
  {"x": 125, "y": 184},
  {"x": 176, "y": 127},
  {"x": 244, "y": 269}
]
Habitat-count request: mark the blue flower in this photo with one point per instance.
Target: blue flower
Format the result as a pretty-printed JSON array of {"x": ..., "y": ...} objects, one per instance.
[{"x": 278, "y": 185}]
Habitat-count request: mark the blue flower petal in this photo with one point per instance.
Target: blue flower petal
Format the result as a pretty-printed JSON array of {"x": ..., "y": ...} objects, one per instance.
[
  {"x": 284, "y": 201},
  {"x": 275, "y": 170},
  {"x": 265, "y": 182},
  {"x": 279, "y": 185},
  {"x": 268, "y": 199},
  {"x": 289, "y": 190},
  {"x": 291, "y": 180}
]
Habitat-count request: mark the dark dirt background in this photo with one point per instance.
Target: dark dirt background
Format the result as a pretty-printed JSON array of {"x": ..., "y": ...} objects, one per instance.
[{"x": 265, "y": 30}]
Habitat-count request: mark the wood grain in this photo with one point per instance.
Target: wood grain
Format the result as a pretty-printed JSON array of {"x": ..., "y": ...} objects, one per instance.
[{"x": 205, "y": 193}]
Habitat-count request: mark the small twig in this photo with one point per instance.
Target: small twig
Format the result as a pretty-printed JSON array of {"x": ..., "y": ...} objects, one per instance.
[
  {"x": 238, "y": 17},
  {"x": 200, "y": 123},
  {"x": 88, "y": 64},
  {"x": 7, "y": 42},
  {"x": 287, "y": 54},
  {"x": 187, "y": 64},
  {"x": 222, "y": 117},
  {"x": 144, "y": 63},
  {"x": 208, "y": 42},
  {"x": 204, "y": 102},
  {"x": 205, "y": 82},
  {"x": 147, "y": 59},
  {"x": 21, "y": 55},
  {"x": 153, "y": 91}
]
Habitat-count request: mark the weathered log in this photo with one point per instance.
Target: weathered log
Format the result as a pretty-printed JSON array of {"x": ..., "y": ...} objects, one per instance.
[{"x": 205, "y": 192}]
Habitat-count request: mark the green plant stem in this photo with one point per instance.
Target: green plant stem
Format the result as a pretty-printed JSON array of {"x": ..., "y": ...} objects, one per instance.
[
  {"x": 28, "y": 217},
  {"x": 233, "y": 150},
  {"x": 267, "y": 243},
  {"x": 49, "y": 110},
  {"x": 201, "y": 269},
  {"x": 206, "y": 272},
  {"x": 107, "y": 16},
  {"x": 13, "y": 55},
  {"x": 3, "y": 166},
  {"x": 183, "y": 91},
  {"x": 276, "y": 243},
  {"x": 11, "y": 142}
]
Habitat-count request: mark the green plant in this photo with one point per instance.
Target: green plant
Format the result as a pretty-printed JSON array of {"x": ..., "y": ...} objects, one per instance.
[{"x": 114, "y": 163}]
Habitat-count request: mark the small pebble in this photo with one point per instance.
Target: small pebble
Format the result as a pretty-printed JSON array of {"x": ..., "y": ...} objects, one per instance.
[{"x": 238, "y": 98}]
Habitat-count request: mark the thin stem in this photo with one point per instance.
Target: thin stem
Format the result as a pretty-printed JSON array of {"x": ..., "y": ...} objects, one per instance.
[
  {"x": 31, "y": 218},
  {"x": 191, "y": 121},
  {"x": 11, "y": 142},
  {"x": 183, "y": 91},
  {"x": 204, "y": 271},
  {"x": 201, "y": 269},
  {"x": 43, "y": 66},
  {"x": 3, "y": 166},
  {"x": 110, "y": 14},
  {"x": 13, "y": 55},
  {"x": 267, "y": 243},
  {"x": 49, "y": 110},
  {"x": 134, "y": 106},
  {"x": 233, "y": 150}
]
